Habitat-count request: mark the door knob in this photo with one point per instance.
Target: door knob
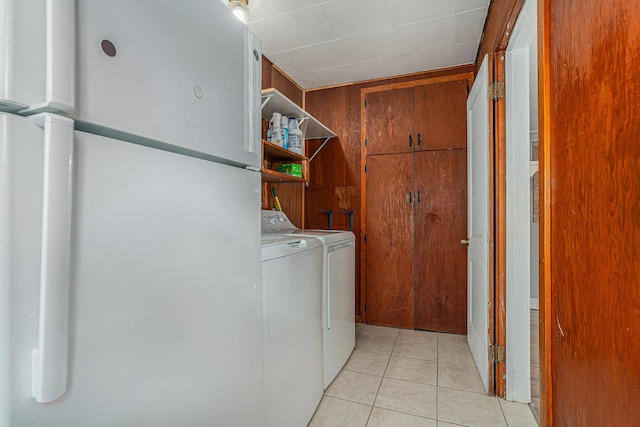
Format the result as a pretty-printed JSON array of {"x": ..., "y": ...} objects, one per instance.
[{"x": 464, "y": 242}]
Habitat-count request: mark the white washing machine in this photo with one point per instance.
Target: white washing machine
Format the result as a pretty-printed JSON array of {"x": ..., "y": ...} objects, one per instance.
[
  {"x": 291, "y": 329},
  {"x": 338, "y": 288}
]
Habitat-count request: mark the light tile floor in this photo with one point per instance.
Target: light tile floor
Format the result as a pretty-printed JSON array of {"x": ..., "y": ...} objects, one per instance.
[{"x": 405, "y": 378}]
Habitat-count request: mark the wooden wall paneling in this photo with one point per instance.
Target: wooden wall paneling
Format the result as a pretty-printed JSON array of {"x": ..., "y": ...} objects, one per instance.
[
  {"x": 335, "y": 171},
  {"x": 440, "y": 224},
  {"x": 266, "y": 196},
  {"x": 286, "y": 86},
  {"x": 439, "y": 123},
  {"x": 363, "y": 206},
  {"x": 390, "y": 231},
  {"x": 394, "y": 85},
  {"x": 292, "y": 200},
  {"x": 500, "y": 302},
  {"x": 266, "y": 73},
  {"x": 591, "y": 179},
  {"x": 390, "y": 121}
]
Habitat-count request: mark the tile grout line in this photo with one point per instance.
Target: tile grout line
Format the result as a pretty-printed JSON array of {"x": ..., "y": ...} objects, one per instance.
[
  {"x": 437, "y": 376},
  {"x": 382, "y": 379},
  {"x": 502, "y": 410}
]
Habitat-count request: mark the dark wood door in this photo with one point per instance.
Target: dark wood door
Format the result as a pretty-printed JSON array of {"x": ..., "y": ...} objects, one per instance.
[
  {"x": 389, "y": 121},
  {"x": 440, "y": 224},
  {"x": 390, "y": 259},
  {"x": 440, "y": 119},
  {"x": 591, "y": 212}
]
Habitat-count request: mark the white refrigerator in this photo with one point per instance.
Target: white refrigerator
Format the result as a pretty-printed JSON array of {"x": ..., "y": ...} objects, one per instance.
[{"x": 130, "y": 281}]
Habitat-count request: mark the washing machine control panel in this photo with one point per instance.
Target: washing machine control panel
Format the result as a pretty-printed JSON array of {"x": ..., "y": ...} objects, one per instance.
[{"x": 276, "y": 221}]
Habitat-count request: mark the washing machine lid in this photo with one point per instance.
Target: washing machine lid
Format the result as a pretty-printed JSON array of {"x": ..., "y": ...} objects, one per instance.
[
  {"x": 278, "y": 223},
  {"x": 278, "y": 245},
  {"x": 325, "y": 236}
]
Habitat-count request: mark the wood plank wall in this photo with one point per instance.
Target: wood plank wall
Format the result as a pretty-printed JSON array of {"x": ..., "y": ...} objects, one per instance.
[
  {"x": 591, "y": 219},
  {"x": 335, "y": 172}
]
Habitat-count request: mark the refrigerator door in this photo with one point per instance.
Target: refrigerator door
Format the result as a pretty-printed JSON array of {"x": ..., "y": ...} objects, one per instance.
[
  {"x": 37, "y": 59},
  {"x": 156, "y": 72},
  {"x": 165, "y": 292}
]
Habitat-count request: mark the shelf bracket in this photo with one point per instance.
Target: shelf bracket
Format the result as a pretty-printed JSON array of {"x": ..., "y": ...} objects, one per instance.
[
  {"x": 265, "y": 101},
  {"x": 320, "y": 148}
]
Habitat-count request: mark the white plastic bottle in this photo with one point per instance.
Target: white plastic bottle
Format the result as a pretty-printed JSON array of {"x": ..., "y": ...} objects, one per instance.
[
  {"x": 276, "y": 130},
  {"x": 284, "y": 125},
  {"x": 295, "y": 136}
]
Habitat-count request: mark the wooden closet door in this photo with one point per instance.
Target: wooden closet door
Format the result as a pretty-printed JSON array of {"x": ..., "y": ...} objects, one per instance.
[
  {"x": 441, "y": 222},
  {"x": 389, "y": 121},
  {"x": 440, "y": 119},
  {"x": 390, "y": 259}
]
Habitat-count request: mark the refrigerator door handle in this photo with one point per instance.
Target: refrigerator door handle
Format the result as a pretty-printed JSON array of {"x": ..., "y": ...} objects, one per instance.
[
  {"x": 49, "y": 360},
  {"x": 61, "y": 61}
]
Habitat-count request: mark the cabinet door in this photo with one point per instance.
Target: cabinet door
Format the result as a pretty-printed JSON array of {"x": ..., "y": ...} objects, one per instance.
[
  {"x": 440, "y": 119},
  {"x": 389, "y": 121},
  {"x": 390, "y": 258},
  {"x": 441, "y": 222}
]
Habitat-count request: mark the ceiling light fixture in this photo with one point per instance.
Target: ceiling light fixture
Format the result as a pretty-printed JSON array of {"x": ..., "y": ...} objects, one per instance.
[{"x": 240, "y": 8}]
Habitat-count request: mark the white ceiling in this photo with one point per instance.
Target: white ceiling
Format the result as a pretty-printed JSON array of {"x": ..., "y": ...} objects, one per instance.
[{"x": 327, "y": 42}]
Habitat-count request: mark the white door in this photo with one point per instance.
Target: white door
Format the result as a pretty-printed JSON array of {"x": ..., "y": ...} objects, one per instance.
[{"x": 478, "y": 254}]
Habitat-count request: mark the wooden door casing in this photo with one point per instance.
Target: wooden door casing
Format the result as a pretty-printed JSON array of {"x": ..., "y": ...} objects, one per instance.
[
  {"x": 590, "y": 222},
  {"x": 390, "y": 117},
  {"x": 441, "y": 222},
  {"x": 439, "y": 123},
  {"x": 390, "y": 231}
]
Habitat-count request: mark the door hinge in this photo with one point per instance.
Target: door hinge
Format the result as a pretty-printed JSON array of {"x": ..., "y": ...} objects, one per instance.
[
  {"x": 365, "y": 103},
  {"x": 497, "y": 354},
  {"x": 365, "y": 238},
  {"x": 365, "y": 142},
  {"x": 365, "y": 308},
  {"x": 365, "y": 168},
  {"x": 496, "y": 90}
]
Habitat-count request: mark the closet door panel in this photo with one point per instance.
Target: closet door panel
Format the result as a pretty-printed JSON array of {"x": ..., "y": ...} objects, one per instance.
[
  {"x": 389, "y": 121},
  {"x": 390, "y": 229},
  {"x": 440, "y": 118},
  {"x": 441, "y": 222}
]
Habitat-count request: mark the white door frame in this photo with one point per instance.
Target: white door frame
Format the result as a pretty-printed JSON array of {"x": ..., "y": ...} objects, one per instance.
[{"x": 518, "y": 205}]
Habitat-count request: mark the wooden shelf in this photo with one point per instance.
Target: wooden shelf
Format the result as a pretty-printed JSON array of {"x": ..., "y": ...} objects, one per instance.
[
  {"x": 272, "y": 176},
  {"x": 275, "y": 153}
]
